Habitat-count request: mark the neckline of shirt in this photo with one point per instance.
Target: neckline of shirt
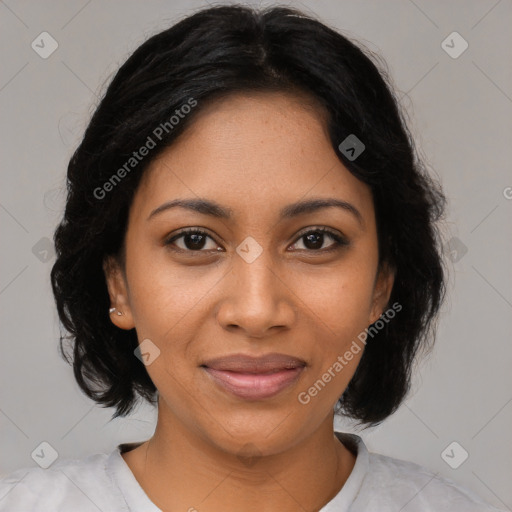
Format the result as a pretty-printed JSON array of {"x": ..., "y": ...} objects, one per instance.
[{"x": 136, "y": 498}]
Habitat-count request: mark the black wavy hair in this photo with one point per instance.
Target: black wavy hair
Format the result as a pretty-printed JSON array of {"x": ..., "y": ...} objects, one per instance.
[{"x": 212, "y": 53}]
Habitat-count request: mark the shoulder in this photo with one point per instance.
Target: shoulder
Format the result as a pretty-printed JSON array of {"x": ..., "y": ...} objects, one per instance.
[
  {"x": 77, "y": 484},
  {"x": 393, "y": 482}
]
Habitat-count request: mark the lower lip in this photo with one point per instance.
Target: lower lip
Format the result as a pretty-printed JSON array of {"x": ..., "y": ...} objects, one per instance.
[{"x": 252, "y": 386}]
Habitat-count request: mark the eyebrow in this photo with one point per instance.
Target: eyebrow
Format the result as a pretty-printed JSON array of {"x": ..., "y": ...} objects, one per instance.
[{"x": 213, "y": 209}]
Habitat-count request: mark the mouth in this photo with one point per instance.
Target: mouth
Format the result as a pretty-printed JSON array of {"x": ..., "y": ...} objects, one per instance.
[{"x": 254, "y": 378}]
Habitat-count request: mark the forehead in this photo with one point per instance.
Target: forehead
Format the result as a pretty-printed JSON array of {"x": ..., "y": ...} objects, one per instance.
[
  {"x": 266, "y": 123},
  {"x": 249, "y": 150}
]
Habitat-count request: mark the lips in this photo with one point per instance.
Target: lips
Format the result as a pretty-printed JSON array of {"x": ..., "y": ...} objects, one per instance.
[
  {"x": 249, "y": 364},
  {"x": 254, "y": 378}
]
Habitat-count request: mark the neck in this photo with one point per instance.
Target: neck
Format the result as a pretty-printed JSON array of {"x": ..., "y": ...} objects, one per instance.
[{"x": 179, "y": 469}]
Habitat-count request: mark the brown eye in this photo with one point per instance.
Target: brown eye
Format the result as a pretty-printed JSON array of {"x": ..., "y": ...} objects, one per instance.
[
  {"x": 314, "y": 240},
  {"x": 194, "y": 240}
]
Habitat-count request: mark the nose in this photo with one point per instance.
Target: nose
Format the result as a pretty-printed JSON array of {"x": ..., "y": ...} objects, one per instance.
[{"x": 256, "y": 298}]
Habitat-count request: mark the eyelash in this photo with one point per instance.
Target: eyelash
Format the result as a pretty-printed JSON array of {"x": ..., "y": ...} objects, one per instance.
[{"x": 339, "y": 241}]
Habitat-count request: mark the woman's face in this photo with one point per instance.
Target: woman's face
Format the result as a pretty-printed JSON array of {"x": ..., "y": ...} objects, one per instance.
[{"x": 262, "y": 281}]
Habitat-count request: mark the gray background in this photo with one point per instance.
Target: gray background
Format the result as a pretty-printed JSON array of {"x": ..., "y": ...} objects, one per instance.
[{"x": 460, "y": 113}]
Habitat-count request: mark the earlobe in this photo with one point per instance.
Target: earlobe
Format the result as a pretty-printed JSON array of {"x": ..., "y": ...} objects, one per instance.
[
  {"x": 119, "y": 311},
  {"x": 382, "y": 291}
]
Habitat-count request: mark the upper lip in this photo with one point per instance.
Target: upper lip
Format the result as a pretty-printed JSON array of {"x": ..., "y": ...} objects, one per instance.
[{"x": 243, "y": 363}]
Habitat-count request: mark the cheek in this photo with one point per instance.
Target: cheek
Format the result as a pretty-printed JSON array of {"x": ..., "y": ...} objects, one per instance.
[
  {"x": 341, "y": 302},
  {"x": 340, "y": 299},
  {"x": 162, "y": 294}
]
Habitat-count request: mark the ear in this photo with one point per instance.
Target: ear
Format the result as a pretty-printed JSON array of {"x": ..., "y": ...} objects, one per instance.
[
  {"x": 382, "y": 291},
  {"x": 117, "y": 290}
]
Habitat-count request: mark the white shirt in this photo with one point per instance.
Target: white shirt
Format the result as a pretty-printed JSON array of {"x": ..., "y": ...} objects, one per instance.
[{"x": 104, "y": 482}]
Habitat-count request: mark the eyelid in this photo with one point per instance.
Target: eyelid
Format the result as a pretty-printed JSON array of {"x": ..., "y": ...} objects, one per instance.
[
  {"x": 184, "y": 231},
  {"x": 339, "y": 238},
  {"x": 321, "y": 229}
]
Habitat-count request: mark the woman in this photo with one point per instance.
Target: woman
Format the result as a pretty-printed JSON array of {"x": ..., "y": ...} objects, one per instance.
[{"x": 250, "y": 243}]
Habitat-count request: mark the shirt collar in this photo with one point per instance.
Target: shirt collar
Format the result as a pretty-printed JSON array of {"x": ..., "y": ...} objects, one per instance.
[{"x": 352, "y": 487}]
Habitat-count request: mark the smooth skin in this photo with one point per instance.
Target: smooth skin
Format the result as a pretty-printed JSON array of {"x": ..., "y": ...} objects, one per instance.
[{"x": 253, "y": 153}]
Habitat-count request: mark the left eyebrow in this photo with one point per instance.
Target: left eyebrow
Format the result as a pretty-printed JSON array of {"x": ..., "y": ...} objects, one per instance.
[
  {"x": 313, "y": 205},
  {"x": 213, "y": 209}
]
